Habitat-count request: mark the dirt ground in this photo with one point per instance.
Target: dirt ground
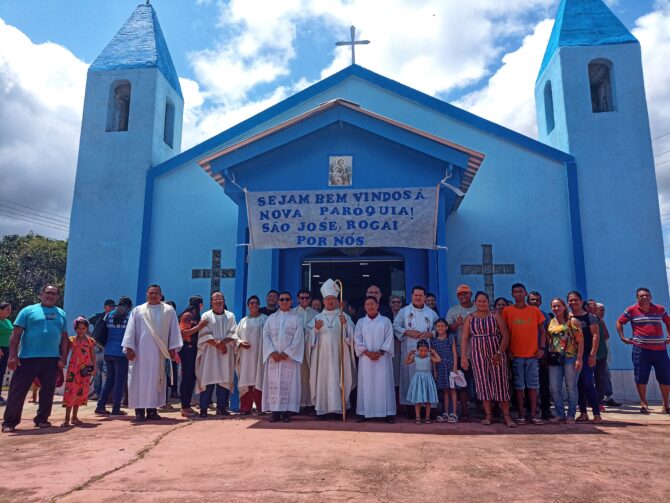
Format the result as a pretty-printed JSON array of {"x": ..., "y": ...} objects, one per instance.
[{"x": 243, "y": 459}]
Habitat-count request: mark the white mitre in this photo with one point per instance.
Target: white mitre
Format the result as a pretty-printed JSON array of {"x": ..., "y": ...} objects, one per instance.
[{"x": 330, "y": 288}]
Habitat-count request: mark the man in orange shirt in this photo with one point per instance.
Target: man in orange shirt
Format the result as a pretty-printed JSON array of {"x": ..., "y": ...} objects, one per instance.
[{"x": 524, "y": 322}]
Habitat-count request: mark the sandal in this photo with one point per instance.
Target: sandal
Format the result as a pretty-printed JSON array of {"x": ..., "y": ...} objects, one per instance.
[
  {"x": 429, "y": 421},
  {"x": 520, "y": 420},
  {"x": 64, "y": 424},
  {"x": 644, "y": 409},
  {"x": 536, "y": 420},
  {"x": 487, "y": 420},
  {"x": 76, "y": 422},
  {"x": 417, "y": 421},
  {"x": 509, "y": 422},
  {"x": 583, "y": 418},
  {"x": 597, "y": 419}
]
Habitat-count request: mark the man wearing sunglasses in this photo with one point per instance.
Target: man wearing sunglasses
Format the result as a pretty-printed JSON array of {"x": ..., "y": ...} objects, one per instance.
[{"x": 283, "y": 352}]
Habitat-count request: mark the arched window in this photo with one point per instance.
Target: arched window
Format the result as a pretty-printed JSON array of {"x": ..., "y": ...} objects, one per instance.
[
  {"x": 549, "y": 107},
  {"x": 118, "y": 110},
  {"x": 600, "y": 81},
  {"x": 168, "y": 128}
]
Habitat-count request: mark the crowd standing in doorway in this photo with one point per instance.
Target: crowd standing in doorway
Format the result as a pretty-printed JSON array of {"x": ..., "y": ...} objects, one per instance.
[{"x": 322, "y": 359}]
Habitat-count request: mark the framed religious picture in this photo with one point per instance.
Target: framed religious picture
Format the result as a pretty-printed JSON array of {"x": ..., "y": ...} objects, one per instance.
[{"x": 340, "y": 170}]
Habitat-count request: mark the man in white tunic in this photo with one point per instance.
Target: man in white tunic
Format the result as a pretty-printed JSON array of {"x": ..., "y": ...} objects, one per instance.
[
  {"x": 249, "y": 362},
  {"x": 324, "y": 333},
  {"x": 215, "y": 363},
  {"x": 374, "y": 346},
  {"x": 413, "y": 322},
  {"x": 304, "y": 310},
  {"x": 283, "y": 350},
  {"x": 152, "y": 337}
]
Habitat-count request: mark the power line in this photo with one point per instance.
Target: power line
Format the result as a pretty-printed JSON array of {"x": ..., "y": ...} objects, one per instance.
[
  {"x": 51, "y": 214},
  {"x": 661, "y": 163},
  {"x": 662, "y": 136},
  {"x": 659, "y": 155},
  {"x": 35, "y": 222},
  {"x": 32, "y": 216}
]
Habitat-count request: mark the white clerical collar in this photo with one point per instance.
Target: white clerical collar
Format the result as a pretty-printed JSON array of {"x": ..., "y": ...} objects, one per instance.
[{"x": 334, "y": 311}]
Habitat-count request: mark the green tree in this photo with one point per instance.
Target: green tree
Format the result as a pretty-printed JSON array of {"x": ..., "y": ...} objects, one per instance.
[{"x": 26, "y": 264}]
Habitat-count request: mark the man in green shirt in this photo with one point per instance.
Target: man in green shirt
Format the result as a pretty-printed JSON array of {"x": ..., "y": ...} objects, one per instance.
[{"x": 5, "y": 331}]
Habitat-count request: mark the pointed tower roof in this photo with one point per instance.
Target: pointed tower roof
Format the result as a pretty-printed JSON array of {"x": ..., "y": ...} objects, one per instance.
[
  {"x": 139, "y": 44},
  {"x": 585, "y": 23}
]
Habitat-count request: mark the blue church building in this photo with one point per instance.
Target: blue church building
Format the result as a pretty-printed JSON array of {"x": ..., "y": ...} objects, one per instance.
[{"x": 362, "y": 178}]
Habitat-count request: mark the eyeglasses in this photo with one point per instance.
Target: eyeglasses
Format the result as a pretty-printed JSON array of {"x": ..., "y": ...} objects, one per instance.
[{"x": 285, "y": 299}]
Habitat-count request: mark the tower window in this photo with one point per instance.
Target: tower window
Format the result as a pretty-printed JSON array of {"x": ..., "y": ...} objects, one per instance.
[
  {"x": 549, "y": 107},
  {"x": 168, "y": 128},
  {"x": 118, "y": 110},
  {"x": 600, "y": 81}
]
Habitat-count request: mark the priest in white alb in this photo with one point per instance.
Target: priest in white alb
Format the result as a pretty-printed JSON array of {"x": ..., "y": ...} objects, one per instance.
[
  {"x": 413, "y": 322},
  {"x": 283, "y": 351},
  {"x": 324, "y": 334},
  {"x": 215, "y": 363},
  {"x": 152, "y": 338},
  {"x": 249, "y": 359},
  {"x": 307, "y": 313},
  {"x": 373, "y": 339}
]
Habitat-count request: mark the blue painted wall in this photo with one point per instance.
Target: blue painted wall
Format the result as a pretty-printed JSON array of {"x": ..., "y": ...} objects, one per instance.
[
  {"x": 623, "y": 244},
  {"x": 508, "y": 205},
  {"x": 108, "y": 203}
]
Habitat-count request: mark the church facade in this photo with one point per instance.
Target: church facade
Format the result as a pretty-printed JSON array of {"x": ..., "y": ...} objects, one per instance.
[{"x": 362, "y": 178}]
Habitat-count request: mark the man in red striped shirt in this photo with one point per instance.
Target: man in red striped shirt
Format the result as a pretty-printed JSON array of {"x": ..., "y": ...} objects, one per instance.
[{"x": 649, "y": 345}]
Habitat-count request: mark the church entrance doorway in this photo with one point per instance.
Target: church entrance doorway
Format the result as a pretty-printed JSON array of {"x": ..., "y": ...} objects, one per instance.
[{"x": 356, "y": 274}]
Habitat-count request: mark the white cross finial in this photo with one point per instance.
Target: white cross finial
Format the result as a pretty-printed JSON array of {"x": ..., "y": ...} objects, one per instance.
[{"x": 353, "y": 43}]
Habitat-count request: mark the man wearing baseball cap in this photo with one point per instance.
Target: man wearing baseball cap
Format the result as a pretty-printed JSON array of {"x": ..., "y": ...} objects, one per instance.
[{"x": 455, "y": 317}]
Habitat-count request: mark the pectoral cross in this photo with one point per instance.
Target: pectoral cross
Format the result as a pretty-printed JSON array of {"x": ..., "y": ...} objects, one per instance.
[{"x": 353, "y": 42}]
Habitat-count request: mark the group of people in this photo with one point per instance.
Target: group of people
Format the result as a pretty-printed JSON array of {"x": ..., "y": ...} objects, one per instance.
[{"x": 324, "y": 360}]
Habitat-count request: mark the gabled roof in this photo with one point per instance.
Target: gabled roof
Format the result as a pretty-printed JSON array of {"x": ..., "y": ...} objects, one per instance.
[
  {"x": 585, "y": 23},
  {"x": 198, "y": 151},
  {"x": 350, "y": 113},
  {"x": 139, "y": 44}
]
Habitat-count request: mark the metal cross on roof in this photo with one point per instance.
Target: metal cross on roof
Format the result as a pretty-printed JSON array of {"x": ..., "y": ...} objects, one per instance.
[{"x": 353, "y": 42}]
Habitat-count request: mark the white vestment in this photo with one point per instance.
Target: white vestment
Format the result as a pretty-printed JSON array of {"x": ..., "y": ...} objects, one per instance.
[
  {"x": 212, "y": 366},
  {"x": 325, "y": 371},
  {"x": 152, "y": 331},
  {"x": 411, "y": 318},
  {"x": 283, "y": 332},
  {"x": 376, "y": 396},
  {"x": 249, "y": 362},
  {"x": 307, "y": 315}
]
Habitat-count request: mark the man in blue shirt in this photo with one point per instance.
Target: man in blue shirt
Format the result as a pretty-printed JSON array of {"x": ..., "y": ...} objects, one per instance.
[{"x": 38, "y": 348}]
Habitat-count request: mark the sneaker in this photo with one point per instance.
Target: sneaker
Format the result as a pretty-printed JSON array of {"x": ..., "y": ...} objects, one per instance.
[
  {"x": 101, "y": 412},
  {"x": 442, "y": 418},
  {"x": 612, "y": 402},
  {"x": 452, "y": 418}
]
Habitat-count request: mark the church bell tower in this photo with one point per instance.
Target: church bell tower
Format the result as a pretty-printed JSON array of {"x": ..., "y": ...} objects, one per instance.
[
  {"x": 591, "y": 102},
  {"x": 131, "y": 122}
]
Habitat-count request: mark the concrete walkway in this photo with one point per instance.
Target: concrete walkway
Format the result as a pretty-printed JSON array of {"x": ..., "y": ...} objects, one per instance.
[{"x": 235, "y": 459}]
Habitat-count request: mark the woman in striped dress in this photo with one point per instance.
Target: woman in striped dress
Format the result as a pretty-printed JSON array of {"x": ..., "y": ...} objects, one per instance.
[{"x": 488, "y": 336}]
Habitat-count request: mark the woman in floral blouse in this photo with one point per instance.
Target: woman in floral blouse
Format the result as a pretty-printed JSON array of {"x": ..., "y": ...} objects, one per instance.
[{"x": 566, "y": 345}]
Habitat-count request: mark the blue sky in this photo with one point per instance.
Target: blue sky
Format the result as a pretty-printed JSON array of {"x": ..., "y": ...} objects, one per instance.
[{"x": 236, "y": 58}]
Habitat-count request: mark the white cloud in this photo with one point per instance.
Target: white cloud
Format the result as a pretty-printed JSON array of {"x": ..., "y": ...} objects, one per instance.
[
  {"x": 508, "y": 97},
  {"x": 41, "y": 98},
  {"x": 434, "y": 46}
]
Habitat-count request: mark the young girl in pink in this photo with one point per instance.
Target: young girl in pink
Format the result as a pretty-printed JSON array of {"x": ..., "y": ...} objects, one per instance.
[{"x": 80, "y": 370}]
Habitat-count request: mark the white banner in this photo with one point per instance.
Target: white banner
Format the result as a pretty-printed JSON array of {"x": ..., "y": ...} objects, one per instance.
[{"x": 343, "y": 218}]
